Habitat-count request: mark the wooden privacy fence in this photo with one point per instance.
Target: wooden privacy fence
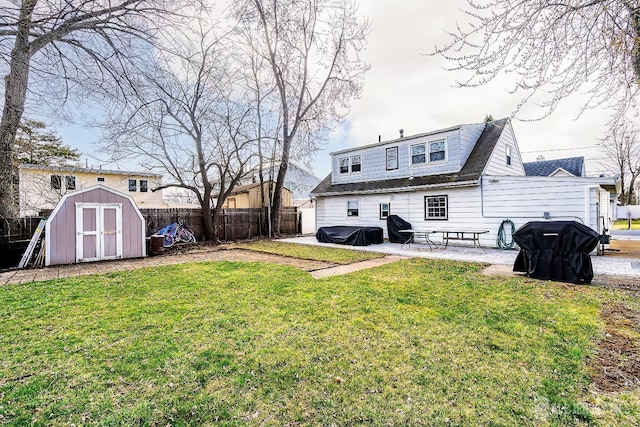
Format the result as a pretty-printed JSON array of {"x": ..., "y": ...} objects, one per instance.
[{"x": 235, "y": 224}]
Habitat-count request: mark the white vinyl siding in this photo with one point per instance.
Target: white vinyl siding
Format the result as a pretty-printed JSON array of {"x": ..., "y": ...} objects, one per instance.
[
  {"x": 373, "y": 159},
  {"x": 502, "y": 197},
  {"x": 497, "y": 164}
]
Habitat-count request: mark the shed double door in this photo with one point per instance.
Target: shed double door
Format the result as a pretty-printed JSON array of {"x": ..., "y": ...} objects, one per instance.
[{"x": 98, "y": 231}]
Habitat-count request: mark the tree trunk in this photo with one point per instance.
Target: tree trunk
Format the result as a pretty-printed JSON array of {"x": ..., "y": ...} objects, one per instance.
[
  {"x": 207, "y": 215},
  {"x": 14, "y": 100},
  {"x": 282, "y": 173}
]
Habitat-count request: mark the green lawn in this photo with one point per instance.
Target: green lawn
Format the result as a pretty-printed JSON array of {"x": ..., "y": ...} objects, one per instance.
[
  {"x": 623, "y": 224},
  {"x": 417, "y": 342},
  {"x": 333, "y": 255}
]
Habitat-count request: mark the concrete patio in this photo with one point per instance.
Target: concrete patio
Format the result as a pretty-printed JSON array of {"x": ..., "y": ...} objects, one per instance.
[{"x": 602, "y": 265}]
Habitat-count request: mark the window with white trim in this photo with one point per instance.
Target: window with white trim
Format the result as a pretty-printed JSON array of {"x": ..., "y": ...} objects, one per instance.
[
  {"x": 508, "y": 155},
  {"x": 351, "y": 164},
  {"x": 437, "y": 151},
  {"x": 344, "y": 164},
  {"x": 392, "y": 158},
  {"x": 385, "y": 210},
  {"x": 436, "y": 207},
  {"x": 356, "y": 165},
  {"x": 353, "y": 208},
  {"x": 418, "y": 154},
  {"x": 144, "y": 185},
  {"x": 133, "y": 185}
]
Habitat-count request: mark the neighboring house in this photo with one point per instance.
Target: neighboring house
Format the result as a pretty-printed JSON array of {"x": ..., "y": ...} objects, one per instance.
[
  {"x": 571, "y": 166},
  {"x": 41, "y": 187},
  {"x": 249, "y": 196},
  {"x": 298, "y": 180},
  {"x": 462, "y": 177}
]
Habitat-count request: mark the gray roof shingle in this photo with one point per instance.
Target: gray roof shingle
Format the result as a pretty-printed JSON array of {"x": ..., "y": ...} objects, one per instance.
[
  {"x": 573, "y": 165},
  {"x": 469, "y": 174}
]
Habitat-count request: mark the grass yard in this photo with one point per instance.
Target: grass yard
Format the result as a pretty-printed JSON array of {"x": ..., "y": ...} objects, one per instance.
[
  {"x": 333, "y": 255},
  {"x": 417, "y": 342},
  {"x": 623, "y": 224}
]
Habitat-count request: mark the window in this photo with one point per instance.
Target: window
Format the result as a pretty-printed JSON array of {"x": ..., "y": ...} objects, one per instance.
[
  {"x": 418, "y": 154},
  {"x": 355, "y": 164},
  {"x": 132, "y": 185},
  {"x": 353, "y": 208},
  {"x": 344, "y": 165},
  {"x": 435, "y": 207},
  {"x": 71, "y": 182},
  {"x": 508, "y": 156},
  {"x": 385, "y": 209},
  {"x": 144, "y": 185},
  {"x": 56, "y": 182},
  {"x": 100, "y": 179},
  {"x": 437, "y": 151},
  {"x": 353, "y": 161},
  {"x": 392, "y": 158}
]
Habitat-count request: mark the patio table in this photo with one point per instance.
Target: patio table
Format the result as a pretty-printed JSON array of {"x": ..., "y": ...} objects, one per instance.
[{"x": 424, "y": 234}]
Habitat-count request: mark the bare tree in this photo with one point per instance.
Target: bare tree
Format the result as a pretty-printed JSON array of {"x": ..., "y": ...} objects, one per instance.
[
  {"x": 190, "y": 122},
  {"x": 312, "y": 50},
  {"x": 552, "y": 50},
  {"x": 622, "y": 149},
  {"x": 67, "y": 45}
]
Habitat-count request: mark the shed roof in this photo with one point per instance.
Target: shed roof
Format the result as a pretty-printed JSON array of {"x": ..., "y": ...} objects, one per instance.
[
  {"x": 573, "y": 165},
  {"x": 468, "y": 175}
]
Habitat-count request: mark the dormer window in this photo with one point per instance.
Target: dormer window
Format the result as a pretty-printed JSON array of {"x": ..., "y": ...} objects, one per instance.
[
  {"x": 392, "y": 158},
  {"x": 344, "y": 165},
  {"x": 356, "y": 166},
  {"x": 418, "y": 154},
  {"x": 437, "y": 151},
  {"x": 350, "y": 164}
]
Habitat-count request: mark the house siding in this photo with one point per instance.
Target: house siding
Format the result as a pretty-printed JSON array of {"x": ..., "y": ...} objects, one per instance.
[
  {"x": 36, "y": 193},
  {"x": 478, "y": 207},
  {"x": 459, "y": 143},
  {"x": 497, "y": 164}
]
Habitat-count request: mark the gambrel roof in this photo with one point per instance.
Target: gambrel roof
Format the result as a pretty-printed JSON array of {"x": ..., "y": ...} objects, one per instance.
[{"x": 468, "y": 175}]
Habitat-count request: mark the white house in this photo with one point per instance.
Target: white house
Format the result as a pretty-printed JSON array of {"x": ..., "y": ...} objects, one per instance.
[{"x": 466, "y": 176}]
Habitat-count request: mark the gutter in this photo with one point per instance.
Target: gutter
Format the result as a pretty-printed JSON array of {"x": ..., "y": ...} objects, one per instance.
[{"x": 400, "y": 189}]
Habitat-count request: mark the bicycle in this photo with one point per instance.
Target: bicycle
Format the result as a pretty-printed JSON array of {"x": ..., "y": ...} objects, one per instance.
[{"x": 176, "y": 233}]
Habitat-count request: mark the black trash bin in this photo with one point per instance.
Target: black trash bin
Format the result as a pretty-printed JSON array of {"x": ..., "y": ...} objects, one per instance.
[
  {"x": 156, "y": 244},
  {"x": 556, "y": 250}
]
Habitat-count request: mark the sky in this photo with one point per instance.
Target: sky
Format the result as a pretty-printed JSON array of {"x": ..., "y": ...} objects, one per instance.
[{"x": 408, "y": 89}]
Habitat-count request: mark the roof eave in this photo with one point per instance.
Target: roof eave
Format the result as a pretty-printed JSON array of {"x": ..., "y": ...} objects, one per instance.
[{"x": 401, "y": 189}]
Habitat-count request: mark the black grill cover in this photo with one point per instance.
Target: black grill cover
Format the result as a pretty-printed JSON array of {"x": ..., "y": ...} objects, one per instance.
[
  {"x": 395, "y": 223},
  {"x": 348, "y": 235},
  {"x": 556, "y": 250}
]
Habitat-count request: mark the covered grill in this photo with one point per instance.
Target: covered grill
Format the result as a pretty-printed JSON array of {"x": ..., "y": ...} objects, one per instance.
[{"x": 556, "y": 250}]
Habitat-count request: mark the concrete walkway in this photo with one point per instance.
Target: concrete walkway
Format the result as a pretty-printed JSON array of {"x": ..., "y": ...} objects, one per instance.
[{"x": 602, "y": 265}]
